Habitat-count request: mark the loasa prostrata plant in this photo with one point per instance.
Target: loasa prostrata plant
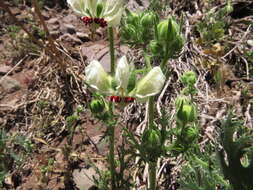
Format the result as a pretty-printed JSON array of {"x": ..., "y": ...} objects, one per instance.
[
  {"x": 237, "y": 165},
  {"x": 102, "y": 13},
  {"x": 186, "y": 130},
  {"x": 121, "y": 88}
]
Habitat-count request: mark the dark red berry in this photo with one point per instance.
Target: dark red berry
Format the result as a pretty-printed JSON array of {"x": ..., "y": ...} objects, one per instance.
[
  {"x": 129, "y": 99},
  {"x": 87, "y": 20},
  {"x": 115, "y": 99},
  {"x": 103, "y": 23},
  {"x": 97, "y": 20}
]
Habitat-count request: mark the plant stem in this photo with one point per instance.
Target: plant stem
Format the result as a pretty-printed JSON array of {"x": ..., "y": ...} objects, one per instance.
[
  {"x": 112, "y": 125},
  {"x": 111, "y": 148},
  {"x": 151, "y": 111},
  {"x": 111, "y": 155},
  {"x": 110, "y": 30},
  {"x": 152, "y": 175}
]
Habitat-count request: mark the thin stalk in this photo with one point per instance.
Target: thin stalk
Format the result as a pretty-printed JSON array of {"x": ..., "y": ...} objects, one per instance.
[
  {"x": 152, "y": 175},
  {"x": 112, "y": 125},
  {"x": 111, "y": 148},
  {"x": 151, "y": 111},
  {"x": 111, "y": 39}
]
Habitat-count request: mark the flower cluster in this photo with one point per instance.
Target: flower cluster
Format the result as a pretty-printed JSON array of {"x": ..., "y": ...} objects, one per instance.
[
  {"x": 102, "y": 12},
  {"x": 117, "y": 86},
  {"x": 88, "y": 20}
]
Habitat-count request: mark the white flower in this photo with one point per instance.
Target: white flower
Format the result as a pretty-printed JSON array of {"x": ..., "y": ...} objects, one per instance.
[
  {"x": 110, "y": 10},
  {"x": 122, "y": 73},
  {"x": 97, "y": 78},
  {"x": 151, "y": 84}
]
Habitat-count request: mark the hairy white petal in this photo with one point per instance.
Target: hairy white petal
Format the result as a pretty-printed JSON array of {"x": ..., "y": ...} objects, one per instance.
[
  {"x": 79, "y": 6},
  {"x": 114, "y": 20},
  {"x": 122, "y": 73},
  {"x": 97, "y": 78},
  {"x": 151, "y": 84}
]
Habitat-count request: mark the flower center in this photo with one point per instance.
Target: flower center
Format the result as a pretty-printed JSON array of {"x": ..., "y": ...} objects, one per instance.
[
  {"x": 118, "y": 99},
  {"x": 89, "y": 20}
]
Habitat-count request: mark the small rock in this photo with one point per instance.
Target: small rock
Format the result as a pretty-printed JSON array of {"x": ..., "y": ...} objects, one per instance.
[
  {"x": 53, "y": 27},
  {"x": 70, "y": 18},
  {"x": 101, "y": 144},
  {"x": 70, "y": 39},
  {"x": 15, "y": 11},
  {"x": 83, "y": 36},
  {"x": 10, "y": 85},
  {"x": 84, "y": 178},
  {"x": 55, "y": 34},
  {"x": 68, "y": 28},
  {"x": 53, "y": 21},
  {"x": 100, "y": 52},
  {"x": 45, "y": 15},
  {"x": 4, "y": 69}
]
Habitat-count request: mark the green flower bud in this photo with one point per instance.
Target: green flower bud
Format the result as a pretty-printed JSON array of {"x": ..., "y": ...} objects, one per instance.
[
  {"x": 97, "y": 106},
  {"x": 152, "y": 139},
  {"x": 148, "y": 19},
  {"x": 132, "y": 18},
  {"x": 181, "y": 100},
  {"x": 187, "y": 113},
  {"x": 155, "y": 47},
  {"x": 168, "y": 30},
  {"x": 189, "y": 78}
]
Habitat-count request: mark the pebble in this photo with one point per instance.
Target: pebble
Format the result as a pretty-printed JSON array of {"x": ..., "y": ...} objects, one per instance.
[
  {"x": 4, "y": 69},
  {"x": 10, "y": 85}
]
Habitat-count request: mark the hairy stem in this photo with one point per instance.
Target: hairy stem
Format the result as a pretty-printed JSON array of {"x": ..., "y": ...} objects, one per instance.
[
  {"x": 110, "y": 31},
  {"x": 151, "y": 111},
  {"x": 111, "y": 149},
  {"x": 112, "y": 125},
  {"x": 152, "y": 175}
]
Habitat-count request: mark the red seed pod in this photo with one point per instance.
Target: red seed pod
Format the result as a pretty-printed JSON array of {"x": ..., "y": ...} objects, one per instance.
[
  {"x": 87, "y": 20},
  {"x": 115, "y": 99},
  {"x": 97, "y": 20},
  {"x": 129, "y": 99},
  {"x": 103, "y": 23}
]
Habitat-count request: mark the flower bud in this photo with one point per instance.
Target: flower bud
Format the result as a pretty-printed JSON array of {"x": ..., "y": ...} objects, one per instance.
[
  {"x": 152, "y": 139},
  {"x": 97, "y": 106},
  {"x": 132, "y": 18},
  {"x": 181, "y": 100},
  {"x": 187, "y": 113},
  {"x": 148, "y": 19},
  {"x": 168, "y": 30},
  {"x": 189, "y": 78}
]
